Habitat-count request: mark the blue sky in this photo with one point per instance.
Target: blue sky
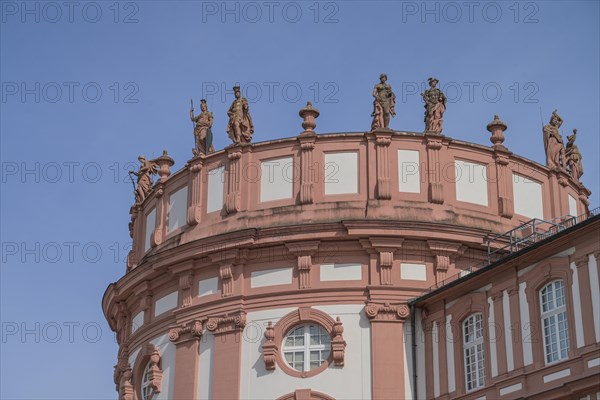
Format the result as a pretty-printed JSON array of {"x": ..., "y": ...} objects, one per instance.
[{"x": 86, "y": 90}]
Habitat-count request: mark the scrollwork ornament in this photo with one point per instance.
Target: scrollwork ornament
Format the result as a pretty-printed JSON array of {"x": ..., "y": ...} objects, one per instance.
[
  {"x": 174, "y": 334},
  {"x": 212, "y": 324},
  {"x": 403, "y": 311},
  {"x": 372, "y": 310}
]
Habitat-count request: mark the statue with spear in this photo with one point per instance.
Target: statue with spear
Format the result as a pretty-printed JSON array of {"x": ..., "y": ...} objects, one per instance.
[{"x": 202, "y": 129}]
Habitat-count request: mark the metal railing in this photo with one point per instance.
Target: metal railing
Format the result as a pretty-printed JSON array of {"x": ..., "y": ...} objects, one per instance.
[{"x": 517, "y": 239}]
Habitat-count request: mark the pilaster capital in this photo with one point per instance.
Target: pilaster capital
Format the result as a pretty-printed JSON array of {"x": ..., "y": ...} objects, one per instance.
[
  {"x": 227, "y": 323},
  {"x": 387, "y": 312},
  {"x": 582, "y": 261},
  {"x": 187, "y": 331}
]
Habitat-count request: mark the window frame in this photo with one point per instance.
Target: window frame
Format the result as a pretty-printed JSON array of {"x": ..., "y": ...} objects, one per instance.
[
  {"x": 307, "y": 348},
  {"x": 275, "y": 335},
  {"x": 553, "y": 313},
  {"x": 475, "y": 346},
  {"x": 146, "y": 390},
  {"x": 147, "y": 368}
]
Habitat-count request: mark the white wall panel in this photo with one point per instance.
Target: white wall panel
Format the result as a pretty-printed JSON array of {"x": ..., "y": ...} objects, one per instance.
[
  {"x": 414, "y": 272},
  {"x": 216, "y": 187},
  {"x": 340, "y": 272},
  {"x": 471, "y": 182},
  {"x": 271, "y": 277},
  {"x": 577, "y": 306},
  {"x": 178, "y": 209},
  {"x": 528, "y": 197},
  {"x": 341, "y": 173},
  {"x": 493, "y": 338},
  {"x": 510, "y": 389},
  {"x": 276, "y": 179},
  {"x": 527, "y": 331},
  {"x": 208, "y": 286},
  {"x": 436, "y": 360},
  {"x": 595, "y": 287},
  {"x": 150, "y": 225},
  {"x": 422, "y": 378},
  {"x": 409, "y": 175},
  {"x": 450, "y": 355},
  {"x": 137, "y": 321},
  {"x": 572, "y": 206},
  {"x": 165, "y": 303},
  {"x": 557, "y": 375},
  {"x": 510, "y": 363}
]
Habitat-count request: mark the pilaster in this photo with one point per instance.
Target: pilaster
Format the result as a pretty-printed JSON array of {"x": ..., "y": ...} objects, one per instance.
[
  {"x": 194, "y": 210},
  {"x": 434, "y": 174},
  {"x": 233, "y": 196},
  {"x": 186, "y": 338},
  {"x": 227, "y": 354},
  {"x": 387, "y": 351}
]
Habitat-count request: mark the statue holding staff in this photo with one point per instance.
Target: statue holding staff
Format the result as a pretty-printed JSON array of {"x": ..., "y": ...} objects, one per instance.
[{"x": 202, "y": 129}]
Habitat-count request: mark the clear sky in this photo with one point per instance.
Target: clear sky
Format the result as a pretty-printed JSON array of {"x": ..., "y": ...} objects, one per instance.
[{"x": 87, "y": 87}]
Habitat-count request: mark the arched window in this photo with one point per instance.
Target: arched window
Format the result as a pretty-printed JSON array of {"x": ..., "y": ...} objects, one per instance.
[
  {"x": 554, "y": 321},
  {"x": 146, "y": 386},
  {"x": 474, "y": 352},
  {"x": 306, "y": 347}
]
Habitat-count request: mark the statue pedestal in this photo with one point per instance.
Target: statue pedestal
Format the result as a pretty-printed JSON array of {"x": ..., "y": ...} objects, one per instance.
[{"x": 382, "y": 130}]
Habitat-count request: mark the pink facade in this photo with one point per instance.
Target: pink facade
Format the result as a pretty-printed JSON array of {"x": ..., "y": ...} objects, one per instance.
[
  {"x": 340, "y": 232},
  {"x": 518, "y": 360}
]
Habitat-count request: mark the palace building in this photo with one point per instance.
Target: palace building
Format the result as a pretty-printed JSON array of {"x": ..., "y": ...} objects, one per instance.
[{"x": 369, "y": 265}]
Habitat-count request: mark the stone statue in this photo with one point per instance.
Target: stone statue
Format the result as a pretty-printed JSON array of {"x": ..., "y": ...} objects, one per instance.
[
  {"x": 144, "y": 178},
  {"x": 573, "y": 157},
  {"x": 125, "y": 386},
  {"x": 553, "y": 142},
  {"x": 240, "y": 127},
  {"x": 435, "y": 106},
  {"x": 202, "y": 129},
  {"x": 384, "y": 104}
]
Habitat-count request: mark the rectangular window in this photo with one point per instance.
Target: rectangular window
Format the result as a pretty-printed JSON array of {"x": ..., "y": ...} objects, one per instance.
[
  {"x": 554, "y": 322},
  {"x": 474, "y": 352}
]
